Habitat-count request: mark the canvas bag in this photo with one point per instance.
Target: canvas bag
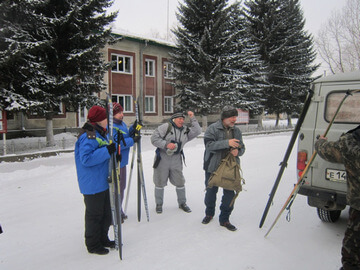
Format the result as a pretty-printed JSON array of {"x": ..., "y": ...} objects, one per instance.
[{"x": 228, "y": 176}]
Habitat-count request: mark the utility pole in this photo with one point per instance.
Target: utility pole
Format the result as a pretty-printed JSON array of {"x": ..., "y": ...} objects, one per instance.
[{"x": 167, "y": 23}]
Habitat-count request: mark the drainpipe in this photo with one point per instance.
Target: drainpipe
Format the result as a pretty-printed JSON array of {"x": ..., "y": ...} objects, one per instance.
[{"x": 141, "y": 93}]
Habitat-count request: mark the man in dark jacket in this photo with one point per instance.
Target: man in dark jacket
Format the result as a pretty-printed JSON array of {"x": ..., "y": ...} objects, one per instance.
[
  {"x": 346, "y": 150},
  {"x": 221, "y": 138},
  {"x": 92, "y": 154}
]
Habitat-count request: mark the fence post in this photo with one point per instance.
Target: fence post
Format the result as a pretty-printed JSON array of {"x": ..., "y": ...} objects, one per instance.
[{"x": 12, "y": 147}]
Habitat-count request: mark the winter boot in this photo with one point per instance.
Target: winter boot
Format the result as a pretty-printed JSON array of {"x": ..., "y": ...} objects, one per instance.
[
  {"x": 159, "y": 208},
  {"x": 99, "y": 251},
  {"x": 228, "y": 226},
  {"x": 206, "y": 219},
  {"x": 185, "y": 207}
]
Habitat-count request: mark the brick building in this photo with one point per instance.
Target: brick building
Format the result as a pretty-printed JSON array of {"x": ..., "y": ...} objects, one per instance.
[{"x": 141, "y": 69}]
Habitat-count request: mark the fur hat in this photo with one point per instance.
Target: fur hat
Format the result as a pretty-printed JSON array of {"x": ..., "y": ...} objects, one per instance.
[
  {"x": 96, "y": 114},
  {"x": 177, "y": 114},
  {"x": 228, "y": 111},
  {"x": 117, "y": 108}
]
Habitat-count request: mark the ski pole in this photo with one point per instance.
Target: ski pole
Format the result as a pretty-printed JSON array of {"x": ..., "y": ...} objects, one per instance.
[
  {"x": 130, "y": 176},
  {"x": 114, "y": 183},
  {"x": 287, "y": 155},
  {"x": 296, "y": 188}
]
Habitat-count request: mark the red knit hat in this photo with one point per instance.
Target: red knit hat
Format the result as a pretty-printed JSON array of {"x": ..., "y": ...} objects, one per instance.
[
  {"x": 117, "y": 108},
  {"x": 96, "y": 114}
]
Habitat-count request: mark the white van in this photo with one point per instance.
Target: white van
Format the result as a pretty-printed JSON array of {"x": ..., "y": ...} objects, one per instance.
[{"x": 325, "y": 182}]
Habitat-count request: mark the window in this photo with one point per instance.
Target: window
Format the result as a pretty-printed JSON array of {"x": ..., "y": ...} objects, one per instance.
[
  {"x": 149, "y": 104},
  {"x": 168, "y": 70},
  {"x": 149, "y": 68},
  {"x": 347, "y": 114},
  {"x": 125, "y": 101},
  {"x": 168, "y": 104},
  {"x": 121, "y": 63}
]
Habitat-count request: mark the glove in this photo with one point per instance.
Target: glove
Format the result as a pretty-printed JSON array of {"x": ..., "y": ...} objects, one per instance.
[
  {"x": 136, "y": 139},
  {"x": 136, "y": 127},
  {"x": 111, "y": 148}
]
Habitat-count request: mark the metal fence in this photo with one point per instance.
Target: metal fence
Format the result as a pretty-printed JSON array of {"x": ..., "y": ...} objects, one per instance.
[
  {"x": 38, "y": 144},
  {"x": 27, "y": 145}
]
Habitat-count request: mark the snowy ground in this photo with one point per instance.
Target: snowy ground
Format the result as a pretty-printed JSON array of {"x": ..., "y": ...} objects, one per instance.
[{"x": 42, "y": 217}]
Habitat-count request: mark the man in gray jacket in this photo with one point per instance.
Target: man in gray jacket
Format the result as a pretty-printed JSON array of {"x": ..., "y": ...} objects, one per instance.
[
  {"x": 170, "y": 138},
  {"x": 221, "y": 138}
]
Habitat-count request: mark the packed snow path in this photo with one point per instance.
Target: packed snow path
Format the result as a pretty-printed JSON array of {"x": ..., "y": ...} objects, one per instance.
[{"x": 42, "y": 215}]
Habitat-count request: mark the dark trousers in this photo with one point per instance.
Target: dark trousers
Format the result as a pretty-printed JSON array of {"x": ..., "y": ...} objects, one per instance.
[
  {"x": 97, "y": 219},
  {"x": 351, "y": 244},
  {"x": 210, "y": 201}
]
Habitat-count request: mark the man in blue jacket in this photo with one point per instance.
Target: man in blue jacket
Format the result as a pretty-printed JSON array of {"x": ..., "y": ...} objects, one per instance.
[
  {"x": 92, "y": 154},
  {"x": 122, "y": 137}
]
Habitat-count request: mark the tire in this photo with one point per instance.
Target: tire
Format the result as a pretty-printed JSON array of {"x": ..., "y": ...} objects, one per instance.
[{"x": 328, "y": 216}]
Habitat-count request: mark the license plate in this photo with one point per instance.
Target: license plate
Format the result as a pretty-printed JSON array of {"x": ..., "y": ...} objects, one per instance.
[{"x": 335, "y": 175}]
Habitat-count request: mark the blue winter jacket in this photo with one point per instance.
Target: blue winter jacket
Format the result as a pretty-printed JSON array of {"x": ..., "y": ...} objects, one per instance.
[
  {"x": 92, "y": 162},
  {"x": 128, "y": 141}
]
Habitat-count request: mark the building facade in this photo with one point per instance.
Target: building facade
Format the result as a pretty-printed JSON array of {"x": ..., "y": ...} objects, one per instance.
[{"x": 141, "y": 72}]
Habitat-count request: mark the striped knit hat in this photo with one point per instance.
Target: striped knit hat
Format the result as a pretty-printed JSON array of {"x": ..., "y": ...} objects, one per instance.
[{"x": 177, "y": 115}]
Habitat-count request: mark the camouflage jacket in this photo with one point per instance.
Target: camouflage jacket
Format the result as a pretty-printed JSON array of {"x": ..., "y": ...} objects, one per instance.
[{"x": 346, "y": 150}]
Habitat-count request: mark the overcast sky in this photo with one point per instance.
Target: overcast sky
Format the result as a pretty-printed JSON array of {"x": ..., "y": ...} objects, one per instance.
[{"x": 146, "y": 17}]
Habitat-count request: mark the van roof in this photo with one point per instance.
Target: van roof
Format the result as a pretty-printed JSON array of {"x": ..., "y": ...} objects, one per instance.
[{"x": 340, "y": 77}]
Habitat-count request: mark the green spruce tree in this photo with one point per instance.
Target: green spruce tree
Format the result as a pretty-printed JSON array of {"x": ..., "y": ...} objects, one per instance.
[
  {"x": 59, "y": 45},
  {"x": 277, "y": 26},
  {"x": 245, "y": 68},
  {"x": 203, "y": 43}
]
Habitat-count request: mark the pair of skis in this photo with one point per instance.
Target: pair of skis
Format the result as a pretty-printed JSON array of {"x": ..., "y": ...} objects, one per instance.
[
  {"x": 140, "y": 173},
  {"x": 114, "y": 181},
  {"x": 287, "y": 205}
]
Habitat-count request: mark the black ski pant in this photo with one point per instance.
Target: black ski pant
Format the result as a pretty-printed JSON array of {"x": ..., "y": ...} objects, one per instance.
[{"x": 97, "y": 219}]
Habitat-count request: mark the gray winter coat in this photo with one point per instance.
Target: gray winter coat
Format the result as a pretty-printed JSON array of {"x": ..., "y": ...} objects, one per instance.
[
  {"x": 170, "y": 166},
  {"x": 182, "y": 135},
  {"x": 217, "y": 145}
]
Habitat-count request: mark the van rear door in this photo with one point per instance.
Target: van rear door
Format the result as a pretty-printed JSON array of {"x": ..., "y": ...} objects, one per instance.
[{"x": 326, "y": 175}]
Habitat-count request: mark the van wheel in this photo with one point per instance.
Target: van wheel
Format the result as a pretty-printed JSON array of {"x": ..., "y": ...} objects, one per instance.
[{"x": 328, "y": 216}]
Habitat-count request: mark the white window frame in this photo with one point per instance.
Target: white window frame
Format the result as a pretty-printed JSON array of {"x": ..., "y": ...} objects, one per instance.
[
  {"x": 127, "y": 103},
  {"x": 168, "y": 70},
  {"x": 61, "y": 108},
  {"x": 168, "y": 99},
  {"x": 82, "y": 113},
  {"x": 149, "y": 68},
  {"x": 149, "y": 101},
  {"x": 122, "y": 59}
]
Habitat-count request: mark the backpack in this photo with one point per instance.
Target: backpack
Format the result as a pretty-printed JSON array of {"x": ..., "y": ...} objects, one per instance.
[{"x": 228, "y": 176}]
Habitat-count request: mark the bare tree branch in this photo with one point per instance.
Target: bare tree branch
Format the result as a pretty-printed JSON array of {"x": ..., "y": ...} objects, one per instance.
[{"x": 338, "y": 42}]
